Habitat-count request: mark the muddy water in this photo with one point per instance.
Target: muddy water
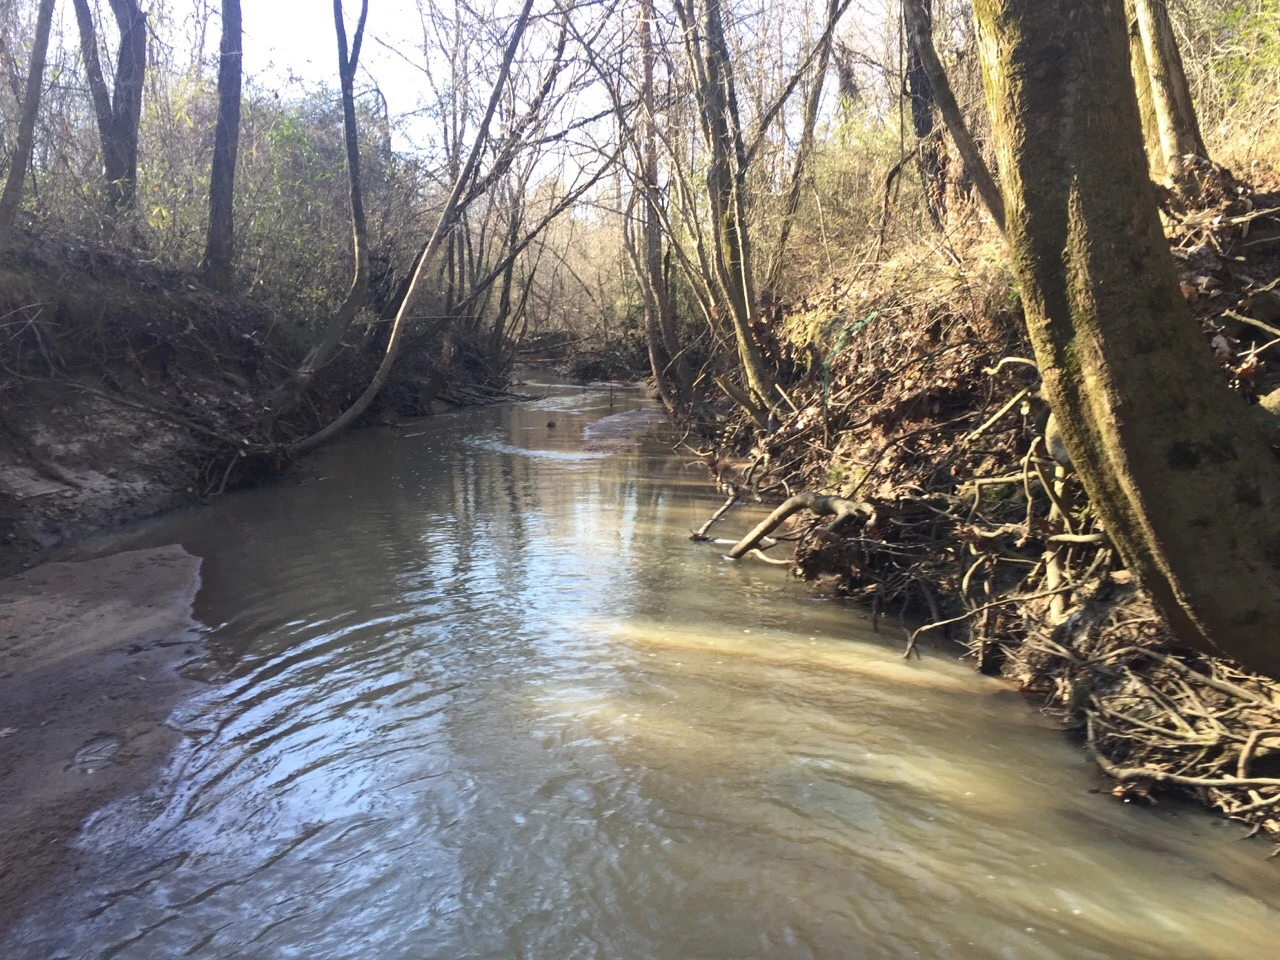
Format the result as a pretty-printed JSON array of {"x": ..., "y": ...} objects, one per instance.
[{"x": 477, "y": 695}]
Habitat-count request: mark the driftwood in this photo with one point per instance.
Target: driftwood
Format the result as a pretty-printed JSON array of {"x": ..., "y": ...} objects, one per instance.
[
  {"x": 821, "y": 504},
  {"x": 701, "y": 535}
]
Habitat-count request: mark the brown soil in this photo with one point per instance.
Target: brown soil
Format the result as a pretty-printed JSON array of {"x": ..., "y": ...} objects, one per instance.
[
  {"x": 127, "y": 389},
  {"x": 91, "y": 658}
]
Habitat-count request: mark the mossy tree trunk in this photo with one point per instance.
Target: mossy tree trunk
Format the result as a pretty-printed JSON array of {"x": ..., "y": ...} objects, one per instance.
[
  {"x": 1142, "y": 84},
  {"x": 1177, "y": 471}
]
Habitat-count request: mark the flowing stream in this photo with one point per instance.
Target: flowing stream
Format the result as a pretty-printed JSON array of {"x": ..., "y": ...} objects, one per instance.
[{"x": 475, "y": 694}]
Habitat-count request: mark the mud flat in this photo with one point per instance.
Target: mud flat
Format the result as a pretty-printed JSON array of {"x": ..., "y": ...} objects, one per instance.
[{"x": 91, "y": 658}]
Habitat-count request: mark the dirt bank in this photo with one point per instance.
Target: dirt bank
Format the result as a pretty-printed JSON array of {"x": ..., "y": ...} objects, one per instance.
[
  {"x": 92, "y": 657},
  {"x": 127, "y": 389}
]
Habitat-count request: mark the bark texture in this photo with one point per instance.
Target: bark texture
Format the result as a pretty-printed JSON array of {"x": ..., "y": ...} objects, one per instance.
[
  {"x": 12, "y": 195},
  {"x": 918, "y": 21},
  {"x": 220, "y": 247},
  {"x": 1142, "y": 84},
  {"x": 118, "y": 111},
  {"x": 1170, "y": 95},
  {"x": 1175, "y": 467}
]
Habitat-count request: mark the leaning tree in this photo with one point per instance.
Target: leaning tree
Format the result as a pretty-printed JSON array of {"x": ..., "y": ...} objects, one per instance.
[{"x": 1179, "y": 474}]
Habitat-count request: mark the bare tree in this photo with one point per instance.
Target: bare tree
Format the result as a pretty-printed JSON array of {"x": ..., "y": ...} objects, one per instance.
[
  {"x": 919, "y": 24},
  {"x": 11, "y": 198},
  {"x": 291, "y": 392},
  {"x": 1181, "y": 477},
  {"x": 711, "y": 67},
  {"x": 1170, "y": 96},
  {"x": 118, "y": 111},
  {"x": 466, "y": 187},
  {"x": 219, "y": 249},
  {"x": 809, "y": 125},
  {"x": 666, "y": 358}
]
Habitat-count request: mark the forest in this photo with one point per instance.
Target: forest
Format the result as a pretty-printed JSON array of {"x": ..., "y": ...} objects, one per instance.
[{"x": 980, "y": 299}]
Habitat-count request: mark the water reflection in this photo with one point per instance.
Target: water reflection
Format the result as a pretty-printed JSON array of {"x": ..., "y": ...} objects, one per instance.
[{"x": 480, "y": 697}]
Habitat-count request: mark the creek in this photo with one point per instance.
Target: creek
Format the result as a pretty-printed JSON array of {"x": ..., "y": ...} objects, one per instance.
[{"x": 474, "y": 693}]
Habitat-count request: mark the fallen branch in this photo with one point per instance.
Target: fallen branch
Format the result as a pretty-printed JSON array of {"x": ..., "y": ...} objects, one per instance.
[
  {"x": 911, "y": 644},
  {"x": 1131, "y": 774},
  {"x": 821, "y": 504},
  {"x": 701, "y": 535}
]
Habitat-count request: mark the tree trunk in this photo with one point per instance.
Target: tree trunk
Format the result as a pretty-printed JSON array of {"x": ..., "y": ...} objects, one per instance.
[
  {"x": 670, "y": 370},
  {"x": 219, "y": 249},
  {"x": 1170, "y": 95},
  {"x": 920, "y": 33},
  {"x": 1142, "y": 83},
  {"x": 11, "y": 198},
  {"x": 118, "y": 112},
  {"x": 920, "y": 95},
  {"x": 497, "y": 335},
  {"x": 126, "y": 100},
  {"x": 466, "y": 180},
  {"x": 291, "y": 392},
  {"x": 1175, "y": 467},
  {"x": 726, "y": 188}
]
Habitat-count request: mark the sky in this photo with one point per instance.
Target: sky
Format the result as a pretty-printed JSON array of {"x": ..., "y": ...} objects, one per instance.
[
  {"x": 289, "y": 41},
  {"x": 284, "y": 38},
  {"x": 290, "y": 45}
]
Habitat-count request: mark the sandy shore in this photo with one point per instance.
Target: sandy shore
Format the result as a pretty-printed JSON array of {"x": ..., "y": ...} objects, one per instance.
[{"x": 90, "y": 661}]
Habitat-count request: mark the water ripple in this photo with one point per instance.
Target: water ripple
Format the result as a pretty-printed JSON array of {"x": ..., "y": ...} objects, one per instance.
[{"x": 481, "y": 697}]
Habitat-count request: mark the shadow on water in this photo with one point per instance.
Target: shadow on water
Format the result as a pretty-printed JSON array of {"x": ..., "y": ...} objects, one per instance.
[{"x": 479, "y": 696}]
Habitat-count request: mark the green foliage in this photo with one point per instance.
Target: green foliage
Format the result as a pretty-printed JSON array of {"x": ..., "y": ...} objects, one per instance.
[{"x": 1251, "y": 53}]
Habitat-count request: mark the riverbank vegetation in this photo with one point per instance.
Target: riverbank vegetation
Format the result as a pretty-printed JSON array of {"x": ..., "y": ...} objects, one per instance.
[{"x": 984, "y": 294}]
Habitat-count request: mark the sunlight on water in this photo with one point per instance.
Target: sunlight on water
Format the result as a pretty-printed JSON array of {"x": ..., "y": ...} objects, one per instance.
[{"x": 479, "y": 696}]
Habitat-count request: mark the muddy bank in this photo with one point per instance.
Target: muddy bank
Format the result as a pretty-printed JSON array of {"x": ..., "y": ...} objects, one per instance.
[
  {"x": 127, "y": 389},
  {"x": 92, "y": 659}
]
